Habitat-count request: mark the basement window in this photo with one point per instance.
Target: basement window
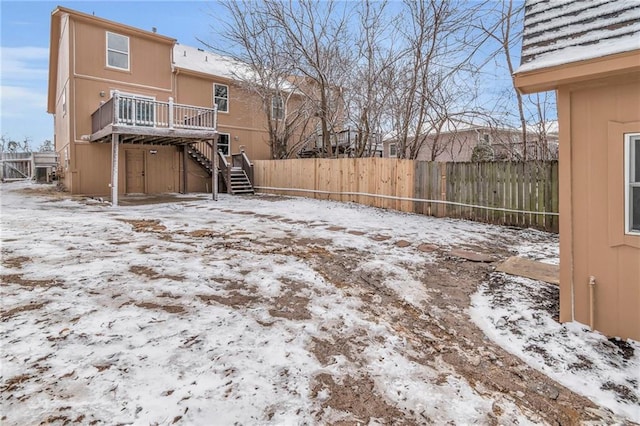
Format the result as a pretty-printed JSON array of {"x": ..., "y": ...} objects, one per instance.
[
  {"x": 221, "y": 97},
  {"x": 632, "y": 183},
  {"x": 223, "y": 143},
  {"x": 117, "y": 51}
]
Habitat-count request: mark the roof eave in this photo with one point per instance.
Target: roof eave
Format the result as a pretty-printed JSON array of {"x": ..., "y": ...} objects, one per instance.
[
  {"x": 54, "y": 40},
  {"x": 550, "y": 78}
]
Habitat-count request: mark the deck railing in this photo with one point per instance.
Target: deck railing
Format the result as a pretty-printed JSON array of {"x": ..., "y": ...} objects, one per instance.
[{"x": 127, "y": 110}]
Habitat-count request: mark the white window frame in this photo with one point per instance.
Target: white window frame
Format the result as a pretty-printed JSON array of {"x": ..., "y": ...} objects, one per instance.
[
  {"x": 118, "y": 51},
  {"x": 395, "y": 150},
  {"x": 228, "y": 135},
  {"x": 215, "y": 98},
  {"x": 277, "y": 111},
  {"x": 630, "y": 155}
]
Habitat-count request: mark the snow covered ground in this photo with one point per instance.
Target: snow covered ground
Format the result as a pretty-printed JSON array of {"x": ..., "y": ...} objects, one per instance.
[{"x": 202, "y": 312}]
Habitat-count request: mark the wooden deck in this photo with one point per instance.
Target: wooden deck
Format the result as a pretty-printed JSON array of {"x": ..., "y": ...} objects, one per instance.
[{"x": 142, "y": 120}]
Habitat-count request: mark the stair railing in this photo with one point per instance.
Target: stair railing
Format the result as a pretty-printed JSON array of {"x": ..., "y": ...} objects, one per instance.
[
  {"x": 225, "y": 169},
  {"x": 205, "y": 149},
  {"x": 242, "y": 160}
]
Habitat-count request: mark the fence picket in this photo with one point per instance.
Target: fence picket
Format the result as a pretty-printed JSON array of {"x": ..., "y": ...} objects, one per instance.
[{"x": 402, "y": 184}]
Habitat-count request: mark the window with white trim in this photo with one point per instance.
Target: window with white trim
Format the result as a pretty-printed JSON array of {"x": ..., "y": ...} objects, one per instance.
[
  {"x": 117, "y": 51},
  {"x": 393, "y": 151},
  {"x": 223, "y": 143},
  {"x": 277, "y": 108},
  {"x": 221, "y": 97},
  {"x": 632, "y": 183}
]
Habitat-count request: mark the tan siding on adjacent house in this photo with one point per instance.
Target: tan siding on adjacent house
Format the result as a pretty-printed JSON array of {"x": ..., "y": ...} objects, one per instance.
[{"x": 616, "y": 269}]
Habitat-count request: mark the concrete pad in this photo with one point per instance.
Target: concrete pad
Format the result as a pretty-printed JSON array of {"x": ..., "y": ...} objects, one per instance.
[{"x": 530, "y": 269}]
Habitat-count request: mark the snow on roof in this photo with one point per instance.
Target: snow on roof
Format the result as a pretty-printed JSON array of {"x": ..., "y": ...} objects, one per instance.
[
  {"x": 559, "y": 31},
  {"x": 206, "y": 62}
]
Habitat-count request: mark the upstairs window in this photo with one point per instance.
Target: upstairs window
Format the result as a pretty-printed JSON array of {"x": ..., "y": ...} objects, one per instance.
[
  {"x": 632, "y": 183},
  {"x": 221, "y": 97},
  {"x": 277, "y": 108},
  {"x": 117, "y": 51}
]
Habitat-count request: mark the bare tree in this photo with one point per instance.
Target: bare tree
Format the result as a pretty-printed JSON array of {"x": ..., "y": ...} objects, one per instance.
[
  {"x": 255, "y": 46},
  {"x": 367, "y": 91},
  {"x": 317, "y": 44},
  {"x": 8, "y": 144},
  {"x": 427, "y": 80},
  {"x": 504, "y": 27}
]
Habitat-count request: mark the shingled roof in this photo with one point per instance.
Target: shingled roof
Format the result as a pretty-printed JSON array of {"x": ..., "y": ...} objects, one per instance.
[{"x": 558, "y": 32}]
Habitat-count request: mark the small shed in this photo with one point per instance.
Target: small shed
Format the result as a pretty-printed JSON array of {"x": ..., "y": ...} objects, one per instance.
[{"x": 588, "y": 51}]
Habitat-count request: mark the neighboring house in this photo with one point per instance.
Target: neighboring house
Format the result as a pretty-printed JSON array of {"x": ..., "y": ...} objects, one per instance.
[
  {"x": 134, "y": 110},
  {"x": 589, "y": 52},
  {"x": 458, "y": 139},
  {"x": 344, "y": 144}
]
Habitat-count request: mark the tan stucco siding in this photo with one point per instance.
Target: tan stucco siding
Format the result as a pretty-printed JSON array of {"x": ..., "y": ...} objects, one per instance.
[
  {"x": 93, "y": 168},
  {"x": 245, "y": 122},
  {"x": 149, "y": 60},
  {"x": 63, "y": 105},
  {"x": 615, "y": 267}
]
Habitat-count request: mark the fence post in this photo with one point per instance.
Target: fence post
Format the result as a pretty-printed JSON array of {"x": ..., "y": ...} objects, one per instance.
[
  {"x": 171, "y": 112},
  {"x": 442, "y": 212}
]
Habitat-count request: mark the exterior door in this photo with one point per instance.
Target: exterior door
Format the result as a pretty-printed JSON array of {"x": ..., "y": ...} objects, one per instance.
[{"x": 135, "y": 171}]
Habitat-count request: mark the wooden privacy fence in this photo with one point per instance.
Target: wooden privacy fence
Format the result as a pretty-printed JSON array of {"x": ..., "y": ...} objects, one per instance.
[{"x": 514, "y": 194}]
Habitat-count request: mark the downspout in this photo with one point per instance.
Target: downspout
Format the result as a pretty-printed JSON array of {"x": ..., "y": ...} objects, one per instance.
[{"x": 592, "y": 301}]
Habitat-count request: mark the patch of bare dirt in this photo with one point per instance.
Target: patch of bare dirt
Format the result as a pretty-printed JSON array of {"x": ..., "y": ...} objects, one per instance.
[
  {"x": 14, "y": 262},
  {"x": 18, "y": 309},
  {"x": 290, "y": 306},
  {"x": 358, "y": 399},
  {"x": 172, "y": 309},
  {"x": 234, "y": 299},
  {"x": 19, "y": 280},
  {"x": 203, "y": 233},
  {"x": 145, "y": 225},
  {"x": 145, "y": 271},
  {"x": 442, "y": 330},
  {"x": 14, "y": 382}
]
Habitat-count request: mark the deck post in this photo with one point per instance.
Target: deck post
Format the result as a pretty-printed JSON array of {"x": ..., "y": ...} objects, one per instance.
[
  {"x": 214, "y": 167},
  {"x": 184, "y": 169},
  {"x": 114, "y": 169},
  {"x": 116, "y": 107},
  {"x": 170, "y": 112}
]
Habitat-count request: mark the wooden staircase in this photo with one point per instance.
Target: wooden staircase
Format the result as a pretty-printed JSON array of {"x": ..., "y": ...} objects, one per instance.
[
  {"x": 237, "y": 176},
  {"x": 200, "y": 158},
  {"x": 239, "y": 182}
]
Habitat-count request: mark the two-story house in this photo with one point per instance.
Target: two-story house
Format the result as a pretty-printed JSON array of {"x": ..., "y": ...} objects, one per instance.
[
  {"x": 138, "y": 112},
  {"x": 469, "y": 140}
]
